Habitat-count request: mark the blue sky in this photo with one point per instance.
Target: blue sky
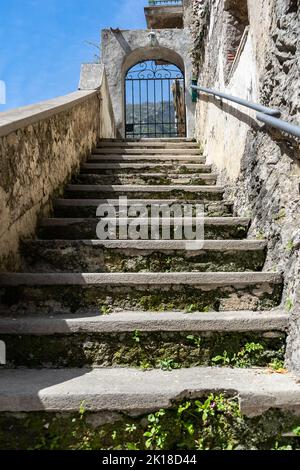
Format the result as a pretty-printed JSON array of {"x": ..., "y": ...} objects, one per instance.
[{"x": 43, "y": 43}]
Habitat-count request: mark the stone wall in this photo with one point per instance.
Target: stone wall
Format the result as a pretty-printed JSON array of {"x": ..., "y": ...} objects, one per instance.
[
  {"x": 259, "y": 166},
  {"x": 40, "y": 147},
  {"x": 123, "y": 49}
]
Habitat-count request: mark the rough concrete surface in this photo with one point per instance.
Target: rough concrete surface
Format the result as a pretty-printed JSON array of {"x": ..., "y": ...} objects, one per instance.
[
  {"x": 131, "y": 390},
  {"x": 147, "y": 321}
]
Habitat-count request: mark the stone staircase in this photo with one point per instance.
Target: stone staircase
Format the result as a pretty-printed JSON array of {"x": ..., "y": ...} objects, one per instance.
[{"x": 171, "y": 317}]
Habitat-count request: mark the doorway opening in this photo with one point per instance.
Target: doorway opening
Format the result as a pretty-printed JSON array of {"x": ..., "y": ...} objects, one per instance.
[{"x": 155, "y": 101}]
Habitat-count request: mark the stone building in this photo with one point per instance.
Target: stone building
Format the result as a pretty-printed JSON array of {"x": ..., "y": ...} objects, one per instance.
[{"x": 251, "y": 49}]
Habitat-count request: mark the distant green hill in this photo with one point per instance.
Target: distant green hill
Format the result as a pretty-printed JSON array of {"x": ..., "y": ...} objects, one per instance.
[{"x": 161, "y": 113}]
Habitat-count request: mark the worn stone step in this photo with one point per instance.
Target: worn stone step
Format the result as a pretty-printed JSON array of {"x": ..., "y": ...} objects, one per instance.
[
  {"x": 137, "y": 168},
  {"x": 142, "y": 255},
  {"x": 149, "y": 144},
  {"x": 206, "y": 193},
  {"x": 145, "y": 339},
  {"x": 128, "y": 390},
  {"x": 85, "y": 228},
  {"x": 88, "y": 207},
  {"x": 147, "y": 179},
  {"x": 81, "y": 293},
  {"x": 151, "y": 140},
  {"x": 146, "y": 151},
  {"x": 182, "y": 159}
]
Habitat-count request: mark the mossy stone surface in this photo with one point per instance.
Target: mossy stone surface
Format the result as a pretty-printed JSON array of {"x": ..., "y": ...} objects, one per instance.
[
  {"x": 213, "y": 422},
  {"x": 144, "y": 349}
]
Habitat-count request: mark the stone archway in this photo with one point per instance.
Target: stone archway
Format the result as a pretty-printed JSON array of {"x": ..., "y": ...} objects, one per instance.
[
  {"x": 157, "y": 54},
  {"x": 123, "y": 49}
]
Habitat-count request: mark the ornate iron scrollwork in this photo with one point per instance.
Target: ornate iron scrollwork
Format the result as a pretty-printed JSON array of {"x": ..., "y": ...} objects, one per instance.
[{"x": 152, "y": 70}]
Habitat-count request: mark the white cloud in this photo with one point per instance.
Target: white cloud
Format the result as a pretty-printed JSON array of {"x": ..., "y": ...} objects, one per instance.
[{"x": 2, "y": 92}]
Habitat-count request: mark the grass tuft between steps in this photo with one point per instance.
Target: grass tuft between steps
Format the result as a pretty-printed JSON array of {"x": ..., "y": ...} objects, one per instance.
[{"x": 211, "y": 422}]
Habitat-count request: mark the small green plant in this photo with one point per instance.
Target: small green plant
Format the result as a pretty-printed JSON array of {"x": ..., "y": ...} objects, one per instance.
[
  {"x": 136, "y": 336},
  {"x": 130, "y": 428},
  {"x": 144, "y": 365},
  {"x": 249, "y": 354},
  {"x": 191, "y": 308},
  {"x": 207, "y": 309},
  {"x": 168, "y": 364},
  {"x": 82, "y": 409},
  {"x": 289, "y": 304},
  {"x": 223, "y": 359},
  {"x": 280, "y": 214},
  {"x": 260, "y": 235},
  {"x": 290, "y": 246},
  {"x": 282, "y": 447},
  {"x": 215, "y": 404},
  {"x": 196, "y": 340},
  {"x": 155, "y": 436},
  {"x": 105, "y": 310},
  {"x": 277, "y": 364}
]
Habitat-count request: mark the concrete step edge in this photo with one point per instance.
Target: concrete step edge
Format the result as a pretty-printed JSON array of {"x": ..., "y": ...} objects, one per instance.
[
  {"x": 116, "y": 202},
  {"x": 146, "y": 151},
  {"x": 149, "y": 139},
  {"x": 235, "y": 321},
  {"x": 147, "y": 158},
  {"x": 143, "y": 188},
  {"x": 126, "y": 389},
  {"x": 154, "y": 245},
  {"x": 208, "y": 176},
  {"x": 141, "y": 166},
  {"x": 208, "y": 221},
  {"x": 207, "y": 279}
]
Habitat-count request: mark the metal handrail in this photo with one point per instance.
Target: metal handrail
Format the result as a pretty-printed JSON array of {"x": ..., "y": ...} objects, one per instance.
[{"x": 267, "y": 115}]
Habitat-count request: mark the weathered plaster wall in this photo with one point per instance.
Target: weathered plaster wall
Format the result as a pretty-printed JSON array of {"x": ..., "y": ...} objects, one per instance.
[
  {"x": 40, "y": 147},
  {"x": 260, "y": 166},
  {"x": 122, "y": 50}
]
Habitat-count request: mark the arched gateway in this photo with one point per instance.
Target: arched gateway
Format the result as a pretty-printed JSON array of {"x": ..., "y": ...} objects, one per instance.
[
  {"x": 154, "y": 93},
  {"x": 140, "y": 58}
]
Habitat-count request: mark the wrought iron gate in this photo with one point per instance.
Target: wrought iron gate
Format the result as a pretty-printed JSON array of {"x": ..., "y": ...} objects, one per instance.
[{"x": 155, "y": 101}]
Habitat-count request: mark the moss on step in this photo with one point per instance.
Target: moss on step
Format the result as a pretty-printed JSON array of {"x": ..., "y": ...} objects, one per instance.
[
  {"x": 175, "y": 193},
  {"x": 78, "y": 299},
  {"x": 145, "y": 349},
  {"x": 77, "y": 257},
  {"x": 87, "y": 230},
  {"x": 144, "y": 179},
  {"x": 211, "y": 209},
  {"x": 213, "y": 422},
  {"x": 175, "y": 168}
]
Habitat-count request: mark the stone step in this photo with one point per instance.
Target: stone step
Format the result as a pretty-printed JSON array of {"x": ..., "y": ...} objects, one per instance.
[
  {"x": 88, "y": 207},
  {"x": 146, "y": 179},
  {"x": 151, "y": 140},
  {"x": 149, "y": 144},
  {"x": 183, "y": 159},
  {"x": 147, "y": 151},
  {"x": 128, "y": 390},
  {"x": 65, "y": 293},
  {"x": 206, "y": 193},
  {"x": 142, "y": 255},
  {"x": 85, "y": 228},
  {"x": 143, "y": 338},
  {"x": 137, "y": 168}
]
